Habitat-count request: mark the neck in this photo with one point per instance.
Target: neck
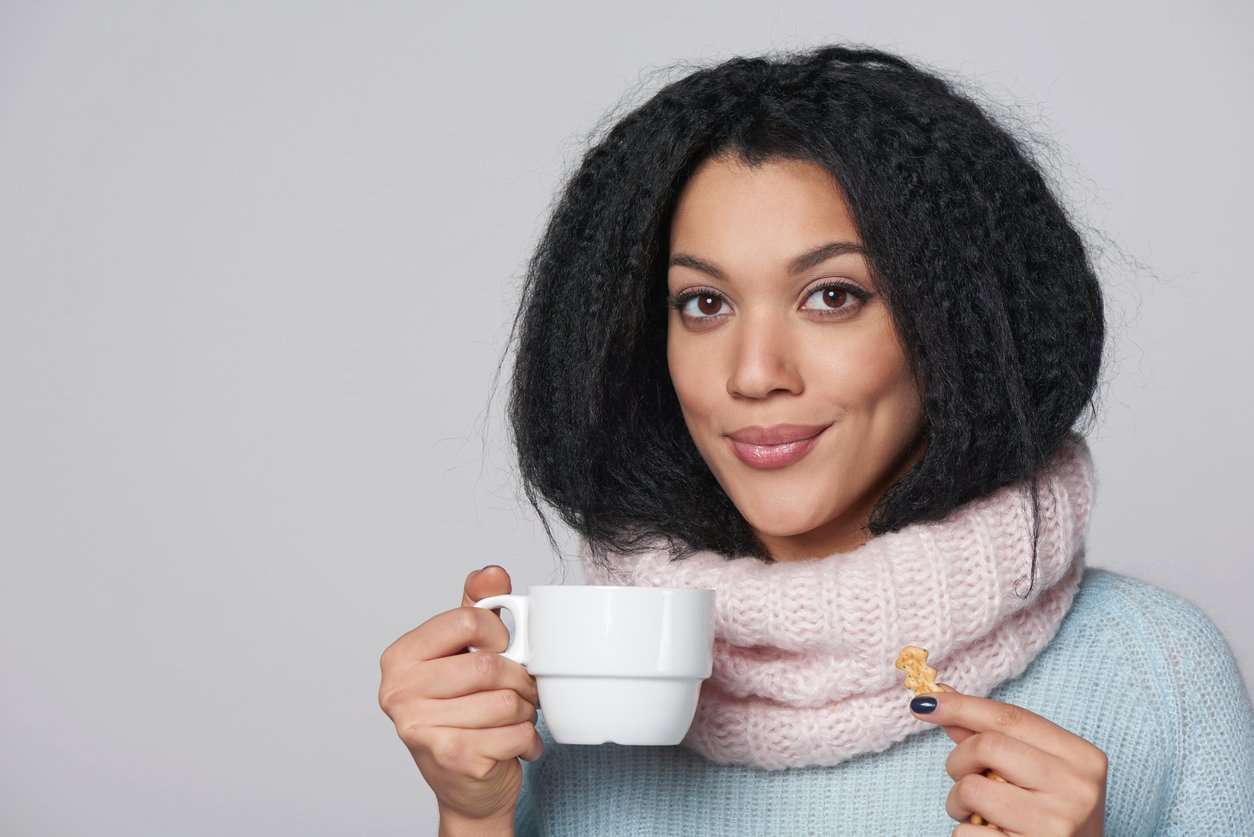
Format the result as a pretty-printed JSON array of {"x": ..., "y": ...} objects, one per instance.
[{"x": 851, "y": 528}]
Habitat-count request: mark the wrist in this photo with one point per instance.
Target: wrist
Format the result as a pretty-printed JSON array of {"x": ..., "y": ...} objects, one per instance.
[{"x": 453, "y": 824}]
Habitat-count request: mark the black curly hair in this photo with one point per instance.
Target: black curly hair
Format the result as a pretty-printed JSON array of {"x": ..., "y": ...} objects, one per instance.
[{"x": 988, "y": 282}]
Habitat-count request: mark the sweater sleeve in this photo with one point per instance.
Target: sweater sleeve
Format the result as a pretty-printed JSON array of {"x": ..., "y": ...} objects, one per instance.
[
  {"x": 526, "y": 817},
  {"x": 525, "y": 824},
  {"x": 1213, "y": 786}
]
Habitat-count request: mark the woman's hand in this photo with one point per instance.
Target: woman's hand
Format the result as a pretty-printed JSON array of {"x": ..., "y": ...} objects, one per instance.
[
  {"x": 1055, "y": 780},
  {"x": 465, "y": 717}
]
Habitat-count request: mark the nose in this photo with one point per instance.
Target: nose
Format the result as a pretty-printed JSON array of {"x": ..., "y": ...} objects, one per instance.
[{"x": 766, "y": 357}]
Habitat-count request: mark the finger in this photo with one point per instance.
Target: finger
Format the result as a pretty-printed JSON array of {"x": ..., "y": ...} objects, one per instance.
[
  {"x": 500, "y": 743},
  {"x": 492, "y": 580},
  {"x": 478, "y": 752},
  {"x": 966, "y": 829},
  {"x": 480, "y": 671},
  {"x": 956, "y": 734},
  {"x": 1008, "y": 806},
  {"x": 1017, "y": 762},
  {"x": 480, "y": 710},
  {"x": 981, "y": 714},
  {"x": 448, "y": 633}
]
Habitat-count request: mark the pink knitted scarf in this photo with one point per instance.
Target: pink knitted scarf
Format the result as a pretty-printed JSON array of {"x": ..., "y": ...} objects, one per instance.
[{"x": 804, "y": 650}]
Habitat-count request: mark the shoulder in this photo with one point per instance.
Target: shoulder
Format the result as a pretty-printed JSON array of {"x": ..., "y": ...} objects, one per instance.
[
  {"x": 1124, "y": 636},
  {"x": 1146, "y": 675},
  {"x": 1106, "y": 587},
  {"x": 1133, "y": 623},
  {"x": 1128, "y": 609},
  {"x": 1192, "y": 677},
  {"x": 1164, "y": 646}
]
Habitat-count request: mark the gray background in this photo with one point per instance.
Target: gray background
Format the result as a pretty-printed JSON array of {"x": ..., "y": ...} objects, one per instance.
[{"x": 257, "y": 265}]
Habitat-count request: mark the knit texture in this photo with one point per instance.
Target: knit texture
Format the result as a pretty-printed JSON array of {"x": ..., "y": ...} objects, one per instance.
[
  {"x": 1141, "y": 673},
  {"x": 804, "y": 650}
]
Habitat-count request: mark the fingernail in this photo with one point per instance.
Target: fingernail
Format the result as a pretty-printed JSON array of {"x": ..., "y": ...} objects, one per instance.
[{"x": 923, "y": 704}]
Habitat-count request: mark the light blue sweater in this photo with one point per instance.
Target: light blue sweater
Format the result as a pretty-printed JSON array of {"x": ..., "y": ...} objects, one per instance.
[{"x": 1141, "y": 673}]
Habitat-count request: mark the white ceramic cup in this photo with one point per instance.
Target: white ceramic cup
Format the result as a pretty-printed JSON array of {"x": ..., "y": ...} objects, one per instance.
[{"x": 620, "y": 664}]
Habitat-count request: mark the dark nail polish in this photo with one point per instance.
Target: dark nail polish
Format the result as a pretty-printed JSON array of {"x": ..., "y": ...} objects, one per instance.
[{"x": 923, "y": 704}]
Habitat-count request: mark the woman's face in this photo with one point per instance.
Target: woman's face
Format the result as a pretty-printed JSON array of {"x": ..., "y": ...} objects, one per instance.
[{"x": 764, "y": 343}]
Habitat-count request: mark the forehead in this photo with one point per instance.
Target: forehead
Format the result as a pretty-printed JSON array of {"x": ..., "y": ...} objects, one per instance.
[{"x": 767, "y": 213}]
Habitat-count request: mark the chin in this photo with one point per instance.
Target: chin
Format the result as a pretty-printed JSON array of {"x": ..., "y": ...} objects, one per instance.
[{"x": 786, "y": 524}]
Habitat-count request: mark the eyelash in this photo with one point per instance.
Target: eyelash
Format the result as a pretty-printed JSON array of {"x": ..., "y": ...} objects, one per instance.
[{"x": 678, "y": 301}]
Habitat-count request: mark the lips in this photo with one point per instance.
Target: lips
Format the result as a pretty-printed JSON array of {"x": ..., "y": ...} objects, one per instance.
[
  {"x": 776, "y": 446},
  {"x": 777, "y": 434}
]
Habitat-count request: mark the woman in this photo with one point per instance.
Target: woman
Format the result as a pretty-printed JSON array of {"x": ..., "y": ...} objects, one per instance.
[{"x": 815, "y": 332}]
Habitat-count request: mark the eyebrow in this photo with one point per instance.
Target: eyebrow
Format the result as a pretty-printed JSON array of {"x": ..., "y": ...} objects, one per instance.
[{"x": 800, "y": 264}]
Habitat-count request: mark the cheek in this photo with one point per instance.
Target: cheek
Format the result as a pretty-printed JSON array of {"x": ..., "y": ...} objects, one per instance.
[
  {"x": 895, "y": 406},
  {"x": 867, "y": 372},
  {"x": 694, "y": 380}
]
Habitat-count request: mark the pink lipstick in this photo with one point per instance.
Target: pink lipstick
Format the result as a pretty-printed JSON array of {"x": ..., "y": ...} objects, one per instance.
[{"x": 774, "y": 447}]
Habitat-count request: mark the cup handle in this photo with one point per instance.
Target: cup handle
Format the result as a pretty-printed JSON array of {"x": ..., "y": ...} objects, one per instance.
[{"x": 519, "y": 651}]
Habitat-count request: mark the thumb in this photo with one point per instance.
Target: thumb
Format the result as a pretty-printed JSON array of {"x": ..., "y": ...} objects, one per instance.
[{"x": 492, "y": 580}]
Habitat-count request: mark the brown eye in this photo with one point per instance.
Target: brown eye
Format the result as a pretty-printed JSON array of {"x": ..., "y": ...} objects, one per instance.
[
  {"x": 838, "y": 298},
  {"x": 707, "y": 305},
  {"x": 834, "y": 297}
]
